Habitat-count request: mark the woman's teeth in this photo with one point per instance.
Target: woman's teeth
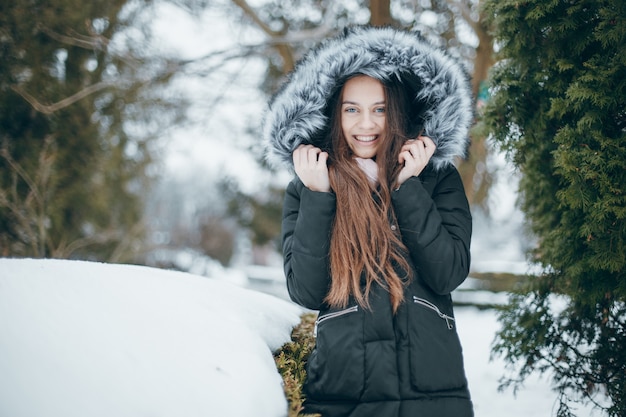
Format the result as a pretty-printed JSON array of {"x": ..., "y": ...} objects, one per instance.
[{"x": 365, "y": 138}]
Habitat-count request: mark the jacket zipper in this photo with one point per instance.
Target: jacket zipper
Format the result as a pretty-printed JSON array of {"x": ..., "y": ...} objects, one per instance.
[
  {"x": 333, "y": 315},
  {"x": 449, "y": 319}
]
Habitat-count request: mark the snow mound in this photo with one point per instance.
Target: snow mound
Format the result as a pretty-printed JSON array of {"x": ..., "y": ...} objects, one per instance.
[{"x": 91, "y": 339}]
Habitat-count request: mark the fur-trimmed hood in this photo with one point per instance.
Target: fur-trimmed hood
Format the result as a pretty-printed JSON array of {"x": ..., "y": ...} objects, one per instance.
[{"x": 296, "y": 114}]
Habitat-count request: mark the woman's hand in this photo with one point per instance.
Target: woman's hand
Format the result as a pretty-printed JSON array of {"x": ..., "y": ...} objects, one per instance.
[
  {"x": 415, "y": 155},
  {"x": 311, "y": 168}
]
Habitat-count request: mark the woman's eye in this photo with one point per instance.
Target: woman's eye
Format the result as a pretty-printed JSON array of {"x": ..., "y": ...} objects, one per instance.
[
  {"x": 379, "y": 110},
  {"x": 350, "y": 110}
]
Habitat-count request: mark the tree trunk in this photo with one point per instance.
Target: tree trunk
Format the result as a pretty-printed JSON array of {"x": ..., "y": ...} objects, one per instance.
[
  {"x": 484, "y": 57},
  {"x": 477, "y": 179},
  {"x": 380, "y": 13}
]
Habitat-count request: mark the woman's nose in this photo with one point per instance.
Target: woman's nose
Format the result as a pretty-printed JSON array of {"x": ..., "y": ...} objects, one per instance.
[{"x": 366, "y": 121}]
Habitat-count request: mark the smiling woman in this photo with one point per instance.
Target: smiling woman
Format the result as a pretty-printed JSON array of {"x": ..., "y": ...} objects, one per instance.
[{"x": 376, "y": 226}]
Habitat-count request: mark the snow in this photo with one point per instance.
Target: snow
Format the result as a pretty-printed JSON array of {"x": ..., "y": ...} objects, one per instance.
[{"x": 91, "y": 339}]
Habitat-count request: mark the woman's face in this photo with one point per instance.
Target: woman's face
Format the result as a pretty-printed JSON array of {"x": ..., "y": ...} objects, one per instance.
[{"x": 363, "y": 115}]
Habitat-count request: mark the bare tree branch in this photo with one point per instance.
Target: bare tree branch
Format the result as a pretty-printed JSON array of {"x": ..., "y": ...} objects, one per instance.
[
  {"x": 249, "y": 11},
  {"x": 171, "y": 69},
  {"x": 21, "y": 172},
  {"x": 29, "y": 212},
  {"x": 98, "y": 42},
  {"x": 284, "y": 50},
  {"x": 281, "y": 40},
  {"x": 318, "y": 33},
  {"x": 51, "y": 108}
]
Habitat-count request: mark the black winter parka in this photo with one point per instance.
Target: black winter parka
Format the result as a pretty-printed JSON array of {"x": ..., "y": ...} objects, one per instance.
[{"x": 372, "y": 362}]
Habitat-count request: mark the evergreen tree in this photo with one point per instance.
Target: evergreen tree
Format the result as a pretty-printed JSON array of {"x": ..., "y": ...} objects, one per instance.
[
  {"x": 559, "y": 109},
  {"x": 73, "y": 166}
]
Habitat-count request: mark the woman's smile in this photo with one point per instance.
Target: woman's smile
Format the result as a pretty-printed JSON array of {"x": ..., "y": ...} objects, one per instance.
[{"x": 365, "y": 138}]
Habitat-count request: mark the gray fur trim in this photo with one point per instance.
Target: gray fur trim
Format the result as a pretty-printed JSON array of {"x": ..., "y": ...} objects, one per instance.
[{"x": 296, "y": 113}]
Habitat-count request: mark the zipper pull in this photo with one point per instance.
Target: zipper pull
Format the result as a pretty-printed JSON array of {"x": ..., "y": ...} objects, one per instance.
[
  {"x": 333, "y": 315},
  {"x": 449, "y": 320}
]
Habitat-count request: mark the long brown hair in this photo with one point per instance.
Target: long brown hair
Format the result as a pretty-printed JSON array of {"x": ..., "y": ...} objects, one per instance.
[{"x": 364, "y": 249}]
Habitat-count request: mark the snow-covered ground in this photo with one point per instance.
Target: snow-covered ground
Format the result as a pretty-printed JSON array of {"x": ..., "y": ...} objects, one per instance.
[
  {"x": 89, "y": 339},
  {"x": 477, "y": 329},
  {"x": 81, "y": 339}
]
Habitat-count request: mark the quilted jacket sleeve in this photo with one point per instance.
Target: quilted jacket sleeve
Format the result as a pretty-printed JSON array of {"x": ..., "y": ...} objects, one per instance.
[
  {"x": 306, "y": 228},
  {"x": 436, "y": 225}
]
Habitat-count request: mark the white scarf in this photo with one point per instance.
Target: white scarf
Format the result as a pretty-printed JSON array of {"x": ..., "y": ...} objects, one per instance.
[{"x": 369, "y": 167}]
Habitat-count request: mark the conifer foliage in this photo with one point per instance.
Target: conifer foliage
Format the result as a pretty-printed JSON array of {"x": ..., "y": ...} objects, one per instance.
[
  {"x": 291, "y": 360},
  {"x": 558, "y": 108}
]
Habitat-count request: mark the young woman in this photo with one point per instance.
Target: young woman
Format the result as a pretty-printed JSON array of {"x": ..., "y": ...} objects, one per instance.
[{"x": 376, "y": 226}]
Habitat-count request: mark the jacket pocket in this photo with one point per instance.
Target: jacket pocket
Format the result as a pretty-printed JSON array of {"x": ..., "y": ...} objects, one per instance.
[
  {"x": 336, "y": 367},
  {"x": 436, "y": 357}
]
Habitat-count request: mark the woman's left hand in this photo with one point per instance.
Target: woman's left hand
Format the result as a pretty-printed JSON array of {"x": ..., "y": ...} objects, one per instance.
[{"x": 415, "y": 155}]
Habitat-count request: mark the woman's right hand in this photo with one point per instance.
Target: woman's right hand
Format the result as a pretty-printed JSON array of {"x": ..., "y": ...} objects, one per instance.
[{"x": 311, "y": 168}]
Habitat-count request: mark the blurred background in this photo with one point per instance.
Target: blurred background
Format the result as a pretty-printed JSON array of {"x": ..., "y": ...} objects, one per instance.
[{"x": 130, "y": 129}]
